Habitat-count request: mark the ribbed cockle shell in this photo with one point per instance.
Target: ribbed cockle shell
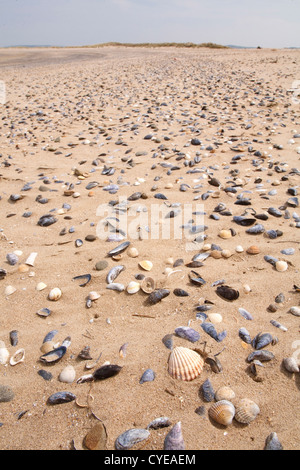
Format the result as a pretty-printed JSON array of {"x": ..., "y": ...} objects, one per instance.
[{"x": 185, "y": 364}]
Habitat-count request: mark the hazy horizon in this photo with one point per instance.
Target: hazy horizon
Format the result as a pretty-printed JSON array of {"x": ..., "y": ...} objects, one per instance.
[{"x": 268, "y": 24}]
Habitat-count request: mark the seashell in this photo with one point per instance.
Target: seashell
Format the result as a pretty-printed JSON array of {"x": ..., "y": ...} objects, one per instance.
[
  {"x": 270, "y": 259},
  {"x": 158, "y": 295},
  {"x": 245, "y": 314},
  {"x": 239, "y": 249},
  {"x": 295, "y": 311},
  {"x": 119, "y": 249},
  {"x": 246, "y": 411},
  {"x": 9, "y": 290},
  {"x": 133, "y": 252},
  {"x": 3, "y": 274},
  {"x": 106, "y": 371},
  {"x": 243, "y": 221},
  {"x": 4, "y": 354},
  {"x": 262, "y": 340},
  {"x": 226, "y": 254},
  {"x": 60, "y": 398},
  {"x": 207, "y": 391},
  {"x": 133, "y": 287},
  {"x": 245, "y": 335},
  {"x": 225, "y": 234},
  {"x": 272, "y": 442},
  {"x": 290, "y": 364},
  {"x": 215, "y": 318},
  {"x": 45, "y": 375},
  {"x": 158, "y": 423},
  {"x": 31, "y": 259},
  {"x": 187, "y": 333},
  {"x": 116, "y": 286},
  {"x": 227, "y": 293},
  {"x": 86, "y": 277},
  {"x": 114, "y": 273},
  {"x": 78, "y": 243},
  {"x": 180, "y": 293},
  {"x": 67, "y": 375},
  {"x": 224, "y": 393},
  {"x": 13, "y": 336},
  {"x": 256, "y": 229},
  {"x": 278, "y": 325},
  {"x": 96, "y": 438},
  {"x": 196, "y": 279},
  {"x": 253, "y": 250},
  {"x": 12, "y": 259},
  {"x": 184, "y": 364},
  {"x": 263, "y": 356},
  {"x": 130, "y": 438},
  {"x": 41, "y": 286},
  {"x": 56, "y": 354},
  {"x": 93, "y": 295},
  {"x": 148, "y": 376},
  {"x": 85, "y": 354},
  {"x": 214, "y": 364},
  {"x": 168, "y": 341},
  {"x": 148, "y": 285},
  {"x": 146, "y": 265},
  {"x": 222, "y": 412},
  {"x": 281, "y": 266},
  {"x": 211, "y": 331},
  {"x": 174, "y": 439},
  {"x": 18, "y": 357},
  {"x": 55, "y": 294},
  {"x": 47, "y": 220}
]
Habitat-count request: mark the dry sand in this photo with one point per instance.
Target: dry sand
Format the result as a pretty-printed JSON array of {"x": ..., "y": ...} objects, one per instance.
[{"x": 113, "y": 98}]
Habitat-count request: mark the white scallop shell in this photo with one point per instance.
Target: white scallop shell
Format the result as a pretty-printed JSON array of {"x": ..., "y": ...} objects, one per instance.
[
  {"x": 55, "y": 294},
  {"x": 185, "y": 364},
  {"x": 18, "y": 357},
  {"x": 222, "y": 412}
]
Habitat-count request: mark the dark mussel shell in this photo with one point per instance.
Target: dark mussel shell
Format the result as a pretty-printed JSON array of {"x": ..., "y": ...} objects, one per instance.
[
  {"x": 47, "y": 220},
  {"x": 211, "y": 331},
  {"x": 148, "y": 376},
  {"x": 157, "y": 295},
  {"x": 243, "y": 221},
  {"x": 107, "y": 371},
  {"x": 60, "y": 398},
  {"x": 180, "y": 293},
  {"x": 207, "y": 391},
  {"x": 227, "y": 293},
  {"x": 54, "y": 356},
  {"x": 3, "y": 273},
  {"x": 86, "y": 277},
  {"x": 196, "y": 279},
  {"x": 119, "y": 249},
  {"x": 261, "y": 340}
]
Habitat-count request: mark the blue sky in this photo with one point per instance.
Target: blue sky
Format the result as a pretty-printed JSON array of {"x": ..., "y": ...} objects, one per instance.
[{"x": 265, "y": 23}]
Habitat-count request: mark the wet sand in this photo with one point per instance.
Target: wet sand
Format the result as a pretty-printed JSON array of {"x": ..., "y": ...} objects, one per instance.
[{"x": 69, "y": 116}]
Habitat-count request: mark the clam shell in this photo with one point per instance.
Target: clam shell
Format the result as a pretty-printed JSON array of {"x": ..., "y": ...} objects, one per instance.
[
  {"x": 222, "y": 412},
  {"x": 41, "y": 286},
  {"x": 185, "y": 364},
  {"x": 55, "y": 294},
  {"x": 133, "y": 287},
  {"x": 18, "y": 357},
  {"x": 93, "y": 295},
  {"x": 148, "y": 285},
  {"x": 133, "y": 252},
  {"x": 281, "y": 266},
  {"x": 224, "y": 393},
  {"x": 146, "y": 265},
  {"x": 10, "y": 290},
  {"x": 246, "y": 411},
  {"x": 225, "y": 234},
  {"x": 67, "y": 375},
  {"x": 253, "y": 250}
]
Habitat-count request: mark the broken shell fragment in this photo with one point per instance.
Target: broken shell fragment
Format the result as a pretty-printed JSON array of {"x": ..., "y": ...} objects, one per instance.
[
  {"x": 31, "y": 259},
  {"x": 222, "y": 412},
  {"x": 185, "y": 364},
  {"x": 18, "y": 357},
  {"x": 9, "y": 290}
]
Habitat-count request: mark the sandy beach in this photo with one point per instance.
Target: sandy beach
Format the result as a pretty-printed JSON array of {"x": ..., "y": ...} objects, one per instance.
[{"x": 90, "y": 134}]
